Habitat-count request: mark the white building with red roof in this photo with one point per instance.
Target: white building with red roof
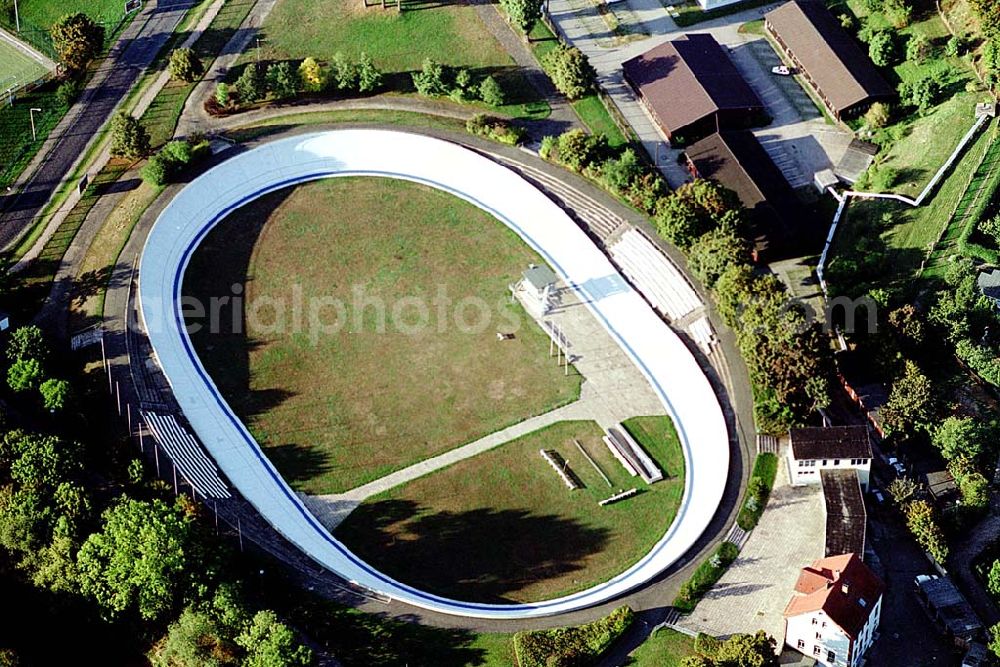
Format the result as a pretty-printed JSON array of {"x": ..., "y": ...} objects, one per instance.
[{"x": 835, "y": 611}]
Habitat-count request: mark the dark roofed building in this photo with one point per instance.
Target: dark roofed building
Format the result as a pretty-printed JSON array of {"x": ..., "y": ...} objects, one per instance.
[
  {"x": 942, "y": 487},
  {"x": 846, "y": 517},
  {"x": 781, "y": 226},
  {"x": 830, "y": 448},
  {"x": 691, "y": 88},
  {"x": 828, "y": 57}
]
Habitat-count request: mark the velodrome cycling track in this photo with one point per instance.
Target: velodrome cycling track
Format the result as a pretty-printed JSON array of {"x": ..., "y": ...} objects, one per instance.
[{"x": 657, "y": 351}]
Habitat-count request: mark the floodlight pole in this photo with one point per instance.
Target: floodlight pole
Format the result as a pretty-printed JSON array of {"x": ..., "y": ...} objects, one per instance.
[
  {"x": 17, "y": 17},
  {"x": 31, "y": 112}
]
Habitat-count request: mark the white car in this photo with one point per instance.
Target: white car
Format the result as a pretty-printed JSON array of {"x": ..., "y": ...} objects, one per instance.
[{"x": 781, "y": 70}]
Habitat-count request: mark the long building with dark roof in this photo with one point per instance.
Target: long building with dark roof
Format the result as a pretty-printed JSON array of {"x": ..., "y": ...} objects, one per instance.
[
  {"x": 846, "y": 517},
  {"x": 833, "y": 63},
  {"x": 780, "y": 225},
  {"x": 691, "y": 88},
  {"x": 833, "y": 447}
]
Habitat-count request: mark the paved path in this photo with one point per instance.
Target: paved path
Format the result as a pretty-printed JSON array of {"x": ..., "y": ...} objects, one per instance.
[
  {"x": 194, "y": 118},
  {"x": 753, "y": 592},
  {"x": 57, "y": 302},
  {"x": 562, "y": 117},
  {"x": 138, "y": 46}
]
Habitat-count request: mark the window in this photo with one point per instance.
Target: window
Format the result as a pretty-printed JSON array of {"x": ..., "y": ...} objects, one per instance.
[
  {"x": 815, "y": 621},
  {"x": 801, "y": 644},
  {"x": 824, "y": 624},
  {"x": 817, "y": 649},
  {"x": 863, "y": 603},
  {"x": 824, "y": 461},
  {"x": 831, "y": 656},
  {"x": 836, "y": 462},
  {"x": 819, "y": 636}
]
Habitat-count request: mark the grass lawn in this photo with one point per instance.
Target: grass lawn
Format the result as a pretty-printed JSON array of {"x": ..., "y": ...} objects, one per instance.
[
  {"x": 502, "y": 526},
  {"x": 892, "y": 239},
  {"x": 917, "y": 145},
  {"x": 397, "y": 41},
  {"x": 44, "y": 13},
  {"x": 162, "y": 115},
  {"x": 16, "y": 65},
  {"x": 17, "y": 148},
  {"x": 355, "y": 404},
  {"x": 591, "y": 109},
  {"x": 664, "y": 648}
]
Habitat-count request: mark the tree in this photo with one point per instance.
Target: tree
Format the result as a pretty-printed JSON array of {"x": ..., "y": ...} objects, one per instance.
[
  {"x": 877, "y": 116},
  {"x": 994, "y": 644},
  {"x": 77, "y": 40},
  {"x": 343, "y": 73},
  {"x": 55, "y": 394},
  {"x": 960, "y": 436},
  {"x": 45, "y": 462},
  {"x": 271, "y": 643},
  {"x": 619, "y": 173},
  {"x": 739, "y": 650},
  {"x": 902, "y": 490},
  {"x": 24, "y": 375},
  {"x": 921, "y": 522},
  {"x": 491, "y": 93},
  {"x": 430, "y": 79},
  {"x": 569, "y": 70},
  {"x": 678, "y": 222},
  {"x": 312, "y": 74},
  {"x": 715, "y": 251},
  {"x": 129, "y": 138},
  {"x": 249, "y": 86},
  {"x": 910, "y": 407},
  {"x": 369, "y": 76},
  {"x": 27, "y": 342},
  {"x": 195, "y": 639},
  {"x": 138, "y": 559},
  {"x": 222, "y": 96},
  {"x": 917, "y": 47},
  {"x": 882, "y": 48},
  {"x": 185, "y": 65},
  {"x": 975, "y": 490},
  {"x": 522, "y": 13},
  {"x": 282, "y": 80},
  {"x": 993, "y": 578},
  {"x": 67, "y": 92}
]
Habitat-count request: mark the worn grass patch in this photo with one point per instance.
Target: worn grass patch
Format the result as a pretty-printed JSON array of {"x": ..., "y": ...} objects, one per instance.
[
  {"x": 355, "y": 403},
  {"x": 502, "y": 526}
]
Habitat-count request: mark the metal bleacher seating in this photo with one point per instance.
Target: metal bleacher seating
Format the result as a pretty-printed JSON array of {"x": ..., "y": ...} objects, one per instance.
[
  {"x": 185, "y": 452},
  {"x": 654, "y": 275}
]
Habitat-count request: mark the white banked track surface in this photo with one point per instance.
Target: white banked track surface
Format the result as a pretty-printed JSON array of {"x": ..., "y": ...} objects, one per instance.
[{"x": 656, "y": 350}]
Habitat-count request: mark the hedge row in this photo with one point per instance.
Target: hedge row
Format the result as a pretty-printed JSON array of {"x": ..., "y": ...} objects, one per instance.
[
  {"x": 571, "y": 647},
  {"x": 765, "y": 469},
  {"x": 709, "y": 572}
]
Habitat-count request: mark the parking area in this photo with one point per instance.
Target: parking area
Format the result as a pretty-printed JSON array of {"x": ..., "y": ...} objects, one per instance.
[{"x": 754, "y": 591}]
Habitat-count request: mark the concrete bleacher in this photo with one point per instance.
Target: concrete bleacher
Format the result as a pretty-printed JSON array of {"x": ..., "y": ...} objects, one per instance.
[
  {"x": 631, "y": 455},
  {"x": 702, "y": 334},
  {"x": 185, "y": 452},
  {"x": 654, "y": 275}
]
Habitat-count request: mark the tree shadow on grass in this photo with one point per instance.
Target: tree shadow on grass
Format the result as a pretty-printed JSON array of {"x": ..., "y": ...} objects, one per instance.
[
  {"x": 219, "y": 333},
  {"x": 480, "y": 555}
]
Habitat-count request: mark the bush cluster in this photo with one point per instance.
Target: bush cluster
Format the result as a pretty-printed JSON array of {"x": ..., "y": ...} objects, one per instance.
[
  {"x": 497, "y": 129},
  {"x": 287, "y": 79},
  {"x": 437, "y": 80},
  {"x": 705, "y": 576},
  {"x": 570, "y": 647},
  {"x": 169, "y": 163}
]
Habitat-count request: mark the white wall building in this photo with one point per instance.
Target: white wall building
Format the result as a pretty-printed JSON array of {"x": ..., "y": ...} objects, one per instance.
[
  {"x": 713, "y": 4},
  {"x": 831, "y": 448},
  {"x": 835, "y": 611}
]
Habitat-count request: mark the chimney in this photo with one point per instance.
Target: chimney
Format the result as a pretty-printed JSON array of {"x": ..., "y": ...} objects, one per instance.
[{"x": 845, "y": 588}]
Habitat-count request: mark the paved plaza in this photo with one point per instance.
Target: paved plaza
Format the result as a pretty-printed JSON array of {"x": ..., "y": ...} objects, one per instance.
[{"x": 754, "y": 591}]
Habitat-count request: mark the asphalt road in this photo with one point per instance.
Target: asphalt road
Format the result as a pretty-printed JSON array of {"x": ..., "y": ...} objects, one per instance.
[{"x": 136, "y": 49}]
